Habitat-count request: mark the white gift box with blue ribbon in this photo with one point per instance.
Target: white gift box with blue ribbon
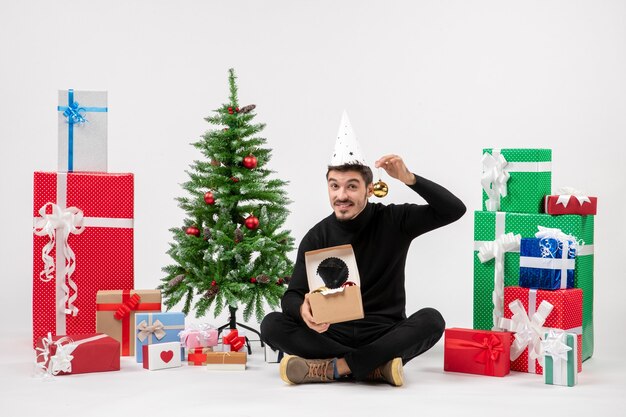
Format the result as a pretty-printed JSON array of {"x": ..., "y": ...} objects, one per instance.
[
  {"x": 547, "y": 262},
  {"x": 82, "y": 123}
]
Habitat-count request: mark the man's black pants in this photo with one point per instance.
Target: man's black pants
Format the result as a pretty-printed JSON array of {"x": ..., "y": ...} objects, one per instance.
[{"x": 364, "y": 344}]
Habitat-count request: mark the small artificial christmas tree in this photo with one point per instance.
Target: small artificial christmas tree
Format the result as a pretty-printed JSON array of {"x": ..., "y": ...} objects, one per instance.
[{"x": 231, "y": 251}]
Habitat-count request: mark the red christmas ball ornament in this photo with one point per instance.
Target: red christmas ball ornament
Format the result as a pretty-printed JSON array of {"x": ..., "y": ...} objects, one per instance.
[
  {"x": 209, "y": 198},
  {"x": 253, "y": 280},
  {"x": 280, "y": 281},
  {"x": 193, "y": 231},
  {"x": 250, "y": 161},
  {"x": 213, "y": 283},
  {"x": 234, "y": 179},
  {"x": 252, "y": 222}
]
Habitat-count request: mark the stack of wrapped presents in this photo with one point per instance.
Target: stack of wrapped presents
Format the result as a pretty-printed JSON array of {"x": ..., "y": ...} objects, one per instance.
[
  {"x": 86, "y": 312},
  {"x": 533, "y": 274}
]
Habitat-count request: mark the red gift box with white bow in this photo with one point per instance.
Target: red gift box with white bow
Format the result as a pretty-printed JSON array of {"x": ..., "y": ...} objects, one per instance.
[
  {"x": 570, "y": 201},
  {"x": 530, "y": 313},
  {"x": 82, "y": 243},
  {"x": 77, "y": 354}
]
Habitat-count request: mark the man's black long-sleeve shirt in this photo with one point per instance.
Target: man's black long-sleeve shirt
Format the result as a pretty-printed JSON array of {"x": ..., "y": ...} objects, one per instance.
[{"x": 380, "y": 236}]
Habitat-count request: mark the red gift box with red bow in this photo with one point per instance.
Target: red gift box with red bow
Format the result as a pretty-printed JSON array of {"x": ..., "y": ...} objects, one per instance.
[{"x": 480, "y": 352}]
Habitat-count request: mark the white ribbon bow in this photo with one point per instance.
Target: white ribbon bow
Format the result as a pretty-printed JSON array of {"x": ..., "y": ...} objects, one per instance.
[
  {"x": 156, "y": 328},
  {"x": 61, "y": 361},
  {"x": 566, "y": 193},
  {"x": 554, "y": 345},
  {"x": 496, "y": 249},
  {"x": 567, "y": 243},
  {"x": 528, "y": 330},
  {"x": 494, "y": 179},
  {"x": 201, "y": 332},
  {"x": 66, "y": 221}
]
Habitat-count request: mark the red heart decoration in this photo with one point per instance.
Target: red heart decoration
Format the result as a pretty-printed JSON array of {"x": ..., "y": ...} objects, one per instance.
[{"x": 167, "y": 356}]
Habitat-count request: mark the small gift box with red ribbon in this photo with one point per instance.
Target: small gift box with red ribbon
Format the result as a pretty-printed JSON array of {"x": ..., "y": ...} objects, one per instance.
[
  {"x": 153, "y": 328},
  {"x": 116, "y": 310},
  {"x": 82, "y": 243},
  {"x": 197, "y": 356},
  {"x": 198, "y": 335},
  {"x": 333, "y": 278},
  {"x": 82, "y": 122},
  {"x": 570, "y": 201},
  {"x": 226, "y": 361},
  {"x": 77, "y": 354},
  {"x": 161, "y": 356},
  {"x": 480, "y": 352},
  {"x": 548, "y": 261},
  {"x": 234, "y": 342},
  {"x": 530, "y": 313}
]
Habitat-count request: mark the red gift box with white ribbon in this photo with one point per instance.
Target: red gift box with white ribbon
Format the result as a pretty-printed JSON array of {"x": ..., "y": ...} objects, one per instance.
[
  {"x": 77, "y": 354},
  {"x": 570, "y": 201},
  {"x": 530, "y": 313},
  {"x": 82, "y": 243}
]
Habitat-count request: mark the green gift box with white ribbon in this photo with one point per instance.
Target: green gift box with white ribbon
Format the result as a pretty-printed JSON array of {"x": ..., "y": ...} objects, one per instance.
[
  {"x": 497, "y": 234},
  {"x": 516, "y": 180},
  {"x": 559, "y": 358}
]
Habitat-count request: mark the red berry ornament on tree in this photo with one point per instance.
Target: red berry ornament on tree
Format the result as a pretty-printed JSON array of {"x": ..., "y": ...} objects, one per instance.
[
  {"x": 250, "y": 161},
  {"x": 234, "y": 179},
  {"x": 209, "y": 198},
  {"x": 213, "y": 283},
  {"x": 252, "y": 222},
  {"x": 253, "y": 280},
  {"x": 230, "y": 110},
  {"x": 193, "y": 231}
]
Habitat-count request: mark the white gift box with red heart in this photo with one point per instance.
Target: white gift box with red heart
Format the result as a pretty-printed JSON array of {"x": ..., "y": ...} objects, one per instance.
[{"x": 161, "y": 356}]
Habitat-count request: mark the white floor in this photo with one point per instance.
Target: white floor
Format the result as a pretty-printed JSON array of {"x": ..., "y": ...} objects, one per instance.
[{"x": 258, "y": 391}]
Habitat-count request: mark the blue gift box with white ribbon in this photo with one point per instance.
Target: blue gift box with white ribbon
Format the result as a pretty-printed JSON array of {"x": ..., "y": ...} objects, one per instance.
[
  {"x": 82, "y": 123},
  {"x": 547, "y": 263}
]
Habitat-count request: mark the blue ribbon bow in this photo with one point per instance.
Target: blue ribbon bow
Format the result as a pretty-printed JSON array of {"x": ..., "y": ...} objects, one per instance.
[{"x": 74, "y": 114}]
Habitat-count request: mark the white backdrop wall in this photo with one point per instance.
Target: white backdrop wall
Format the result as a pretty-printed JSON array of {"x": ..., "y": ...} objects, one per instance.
[{"x": 434, "y": 81}]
